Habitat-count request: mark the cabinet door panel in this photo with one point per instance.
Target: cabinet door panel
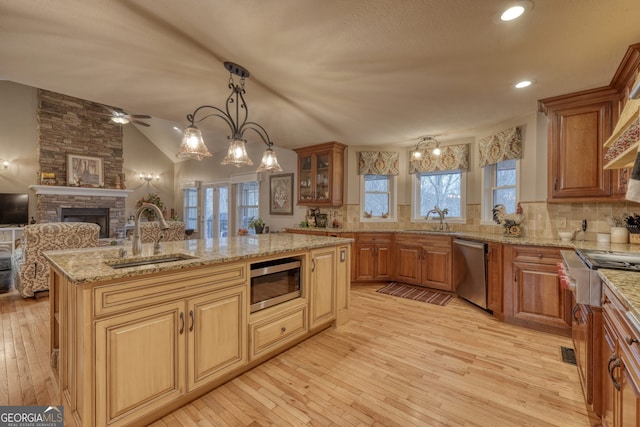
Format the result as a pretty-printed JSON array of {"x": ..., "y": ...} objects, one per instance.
[
  {"x": 408, "y": 264},
  {"x": 383, "y": 262},
  {"x": 127, "y": 385},
  {"x": 629, "y": 398},
  {"x": 323, "y": 286},
  {"x": 538, "y": 295},
  {"x": 436, "y": 268},
  {"x": 365, "y": 262},
  {"x": 217, "y": 340},
  {"x": 576, "y": 138}
]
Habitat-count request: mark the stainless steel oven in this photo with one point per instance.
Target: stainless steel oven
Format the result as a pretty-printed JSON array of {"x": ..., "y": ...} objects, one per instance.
[
  {"x": 274, "y": 282},
  {"x": 580, "y": 278},
  {"x": 579, "y": 271}
]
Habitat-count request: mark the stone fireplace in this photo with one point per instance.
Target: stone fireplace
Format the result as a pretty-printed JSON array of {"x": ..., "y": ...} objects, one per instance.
[
  {"x": 68, "y": 125},
  {"x": 54, "y": 202}
]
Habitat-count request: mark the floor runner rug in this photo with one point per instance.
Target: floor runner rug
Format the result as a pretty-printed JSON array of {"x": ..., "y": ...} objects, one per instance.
[{"x": 416, "y": 293}]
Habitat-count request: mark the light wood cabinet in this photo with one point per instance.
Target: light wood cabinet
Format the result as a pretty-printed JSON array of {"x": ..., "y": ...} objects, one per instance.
[
  {"x": 321, "y": 174},
  {"x": 373, "y": 257},
  {"x": 424, "y": 261},
  {"x": 209, "y": 329},
  {"x": 533, "y": 295},
  {"x": 216, "y": 336},
  {"x": 129, "y": 387},
  {"x": 621, "y": 365},
  {"x": 277, "y": 328},
  {"x": 343, "y": 284},
  {"x": 323, "y": 286}
]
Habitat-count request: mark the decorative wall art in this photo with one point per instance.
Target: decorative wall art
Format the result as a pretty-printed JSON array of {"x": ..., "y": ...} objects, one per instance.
[
  {"x": 84, "y": 171},
  {"x": 281, "y": 194}
]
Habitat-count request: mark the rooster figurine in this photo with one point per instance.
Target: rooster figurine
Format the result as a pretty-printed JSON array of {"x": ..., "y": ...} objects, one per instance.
[{"x": 510, "y": 222}]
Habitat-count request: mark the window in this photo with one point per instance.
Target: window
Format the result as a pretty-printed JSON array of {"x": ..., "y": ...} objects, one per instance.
[
  {"x": 248, "y": 203},
  {"x": 500, "y": 187},
  {"x": 378, "y": 197},
  {"x": 442, "y": 189},
  {"x": 191, "y": 208}
]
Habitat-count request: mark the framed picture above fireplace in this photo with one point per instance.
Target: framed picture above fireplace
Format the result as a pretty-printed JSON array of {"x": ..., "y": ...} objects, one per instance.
[{"x": 84, "y": 171}]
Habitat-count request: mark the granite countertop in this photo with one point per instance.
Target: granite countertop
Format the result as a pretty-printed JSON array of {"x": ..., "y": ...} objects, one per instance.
[
  {"x": 90, "y": 265},
  {"x": 626, "y": 286},
  {"x": 489, "y": 237}
]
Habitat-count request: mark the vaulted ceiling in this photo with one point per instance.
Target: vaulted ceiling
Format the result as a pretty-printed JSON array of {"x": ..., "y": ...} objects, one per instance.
[{"x": 363, "y": 72}]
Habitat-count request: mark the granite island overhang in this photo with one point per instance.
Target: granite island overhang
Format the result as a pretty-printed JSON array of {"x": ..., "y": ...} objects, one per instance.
[{"x": 131, "y": 344}]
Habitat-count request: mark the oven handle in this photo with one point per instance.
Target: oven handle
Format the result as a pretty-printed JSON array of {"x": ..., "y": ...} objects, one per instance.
[{"x": 274, "y": 269}]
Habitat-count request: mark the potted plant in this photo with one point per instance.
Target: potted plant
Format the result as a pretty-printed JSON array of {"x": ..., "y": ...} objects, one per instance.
[{"x": 257, "y": 224}]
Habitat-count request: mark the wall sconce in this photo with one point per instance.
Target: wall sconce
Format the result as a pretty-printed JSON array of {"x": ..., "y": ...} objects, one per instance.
[
  {"x": 149, "y": 177},
  {"x": 4, "y": 165},
  {"x": 426, "y": 141}
]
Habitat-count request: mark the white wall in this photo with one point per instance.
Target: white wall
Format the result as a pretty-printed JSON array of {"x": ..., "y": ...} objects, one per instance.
[{"x": 141, "y": 156}]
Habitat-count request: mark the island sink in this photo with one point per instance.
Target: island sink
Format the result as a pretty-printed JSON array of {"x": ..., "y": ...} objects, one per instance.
[{"x": 155, "y": 259}]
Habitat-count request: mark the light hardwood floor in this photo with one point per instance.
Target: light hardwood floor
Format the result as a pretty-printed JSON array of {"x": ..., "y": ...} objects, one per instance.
[{"x": 396, "y": 363}]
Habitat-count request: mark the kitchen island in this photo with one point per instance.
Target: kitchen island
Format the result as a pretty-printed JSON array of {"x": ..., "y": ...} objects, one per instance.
[{"x": 132, "y": 343}]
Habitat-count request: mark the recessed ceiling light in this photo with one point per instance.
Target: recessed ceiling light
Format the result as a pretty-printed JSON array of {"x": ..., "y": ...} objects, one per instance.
[
  {"x": 523, "y": 83},
  {"x": 176, "y": 128},
  {"x": 512, "y": 13},
  {"x": 516, "y": 9}
]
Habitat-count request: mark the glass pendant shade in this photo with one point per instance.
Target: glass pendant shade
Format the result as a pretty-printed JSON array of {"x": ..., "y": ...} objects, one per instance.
[
  {"x": 121, "y": 120},
  {"x": 416, "y": 155},
  {"x": 269, "y": 162},
  {"x": 237, "y": 154},
  {"x": 192, "y": 145},
  {"x": 436, "y": 151}
]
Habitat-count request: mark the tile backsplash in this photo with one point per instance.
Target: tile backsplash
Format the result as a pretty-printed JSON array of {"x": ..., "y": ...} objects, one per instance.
[{"x": 543, "y": 220}]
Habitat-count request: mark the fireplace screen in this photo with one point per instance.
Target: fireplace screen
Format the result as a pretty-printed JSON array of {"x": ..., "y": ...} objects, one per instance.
[{"x": 98, "y": 216}]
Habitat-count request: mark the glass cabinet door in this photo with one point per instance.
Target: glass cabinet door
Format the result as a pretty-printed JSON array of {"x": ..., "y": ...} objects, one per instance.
[
  {"x": 305, "y": 190},
  {"x": 322, "y": 177}
]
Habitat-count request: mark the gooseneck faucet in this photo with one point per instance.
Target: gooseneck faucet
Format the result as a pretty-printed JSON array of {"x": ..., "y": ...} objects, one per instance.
[
  {"x": 441, "y": 213},
  {"x": 136, "y": 248}
]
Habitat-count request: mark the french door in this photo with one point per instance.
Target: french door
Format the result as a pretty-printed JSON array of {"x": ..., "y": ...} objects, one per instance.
[{"x": 216, "y": 210}]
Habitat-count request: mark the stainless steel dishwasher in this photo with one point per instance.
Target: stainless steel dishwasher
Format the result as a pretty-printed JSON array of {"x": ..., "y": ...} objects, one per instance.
[{"x": 470, "y": 271}]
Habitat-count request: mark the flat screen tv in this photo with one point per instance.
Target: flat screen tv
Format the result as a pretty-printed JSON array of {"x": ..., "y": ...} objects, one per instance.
[{"x": 14, "y": 209}]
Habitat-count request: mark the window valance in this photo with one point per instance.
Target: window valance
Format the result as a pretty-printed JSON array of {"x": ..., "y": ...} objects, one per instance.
[
  {"x": 378, "y": 163},
  {"x": 452, "y": 157},
  {"x": 504, "y": 145}
]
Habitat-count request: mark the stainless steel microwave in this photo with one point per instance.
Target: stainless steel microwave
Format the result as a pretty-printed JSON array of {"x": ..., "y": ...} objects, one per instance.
[{"x": 274, "y": 282}]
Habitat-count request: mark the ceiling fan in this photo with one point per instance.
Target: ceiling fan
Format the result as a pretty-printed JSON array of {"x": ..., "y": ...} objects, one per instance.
[{"x": 122, "y": 117}]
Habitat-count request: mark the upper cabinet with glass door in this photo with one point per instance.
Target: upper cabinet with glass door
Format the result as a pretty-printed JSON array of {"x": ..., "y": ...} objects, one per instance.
[{"x": 321, "y": 174}]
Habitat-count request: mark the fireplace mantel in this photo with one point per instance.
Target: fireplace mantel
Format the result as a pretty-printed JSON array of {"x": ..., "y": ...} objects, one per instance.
[{"x": 79, "y": 191}]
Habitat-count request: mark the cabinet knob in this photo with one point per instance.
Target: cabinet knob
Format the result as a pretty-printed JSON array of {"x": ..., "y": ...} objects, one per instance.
[
  {"x": 283, "y": 329},
  {"x": 630, "y": 340}
]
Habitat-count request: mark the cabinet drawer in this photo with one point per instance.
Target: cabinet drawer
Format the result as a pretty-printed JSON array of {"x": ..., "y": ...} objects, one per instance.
[
  {"x": 536, "y": 254},
  {"x": 272, "y": 332},
  {"x": 374, "y": 238},
  {"x": 155, "y": 289}
]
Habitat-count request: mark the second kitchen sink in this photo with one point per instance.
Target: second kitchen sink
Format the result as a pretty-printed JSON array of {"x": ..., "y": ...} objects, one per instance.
[{"x": 154, "y": 259}]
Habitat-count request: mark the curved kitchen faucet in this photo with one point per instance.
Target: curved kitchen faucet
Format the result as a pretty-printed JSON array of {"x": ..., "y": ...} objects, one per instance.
[{"x": 136, "y": 247}]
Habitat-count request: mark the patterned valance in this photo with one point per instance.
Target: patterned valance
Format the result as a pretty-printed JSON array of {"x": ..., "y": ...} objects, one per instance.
[
  {"x": 378, "y": 163},
  {"x": 452, "y": 157},
  {"x": 504, "y": 145}
]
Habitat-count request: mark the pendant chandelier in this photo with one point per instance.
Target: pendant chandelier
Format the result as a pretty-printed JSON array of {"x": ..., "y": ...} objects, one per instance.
[
  {"x": 192, "y": 145},
  {"x": 426, "y": 142}
]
